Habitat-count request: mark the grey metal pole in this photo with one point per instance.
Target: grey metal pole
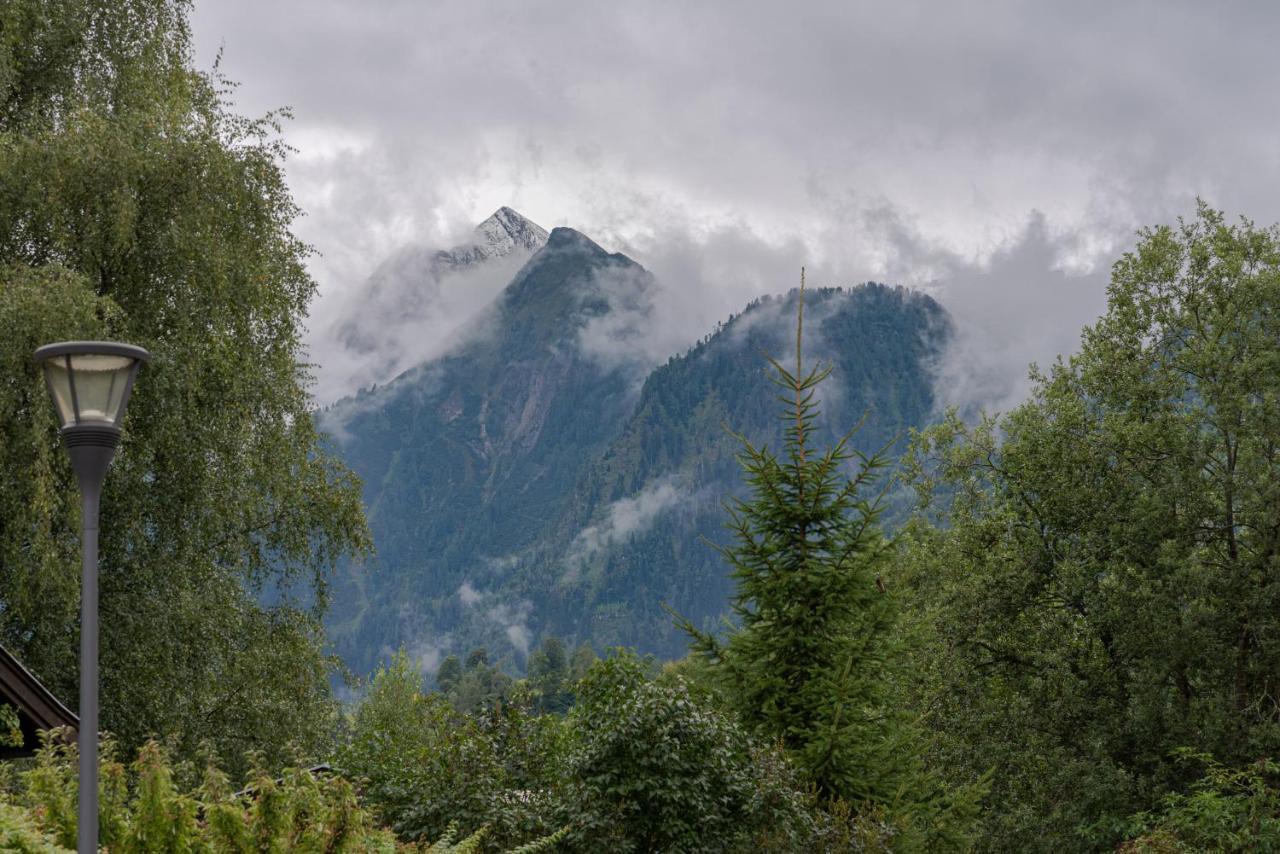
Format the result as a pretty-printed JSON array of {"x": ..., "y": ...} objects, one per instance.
[
  {"x": 87, "y": 840},
  {"x": 91, "y": 436},
  {"x": 92, "y": 449}
]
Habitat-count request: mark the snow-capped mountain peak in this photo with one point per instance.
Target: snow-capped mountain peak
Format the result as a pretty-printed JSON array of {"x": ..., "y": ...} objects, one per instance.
[
  {"x": 415, "y": 299},
  {"x": 506, "y": 229},
  {"x": 504, "y": 232}
]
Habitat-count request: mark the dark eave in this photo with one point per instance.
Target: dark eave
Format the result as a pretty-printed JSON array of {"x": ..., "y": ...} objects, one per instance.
[{"x": 20, "y": 689}]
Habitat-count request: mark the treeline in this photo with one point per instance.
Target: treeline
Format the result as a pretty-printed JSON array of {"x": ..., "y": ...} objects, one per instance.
[{"x": 552, "y": 672}]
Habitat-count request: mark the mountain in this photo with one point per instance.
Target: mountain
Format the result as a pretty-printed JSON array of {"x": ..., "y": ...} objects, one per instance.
[
  {"x": 412, "y": 304},
  {"x": 528, "y": 483},
  {"x": 639, "y": 529},
  {"x": 504, "y": 232},
  {"x": 469, "y": 457}
]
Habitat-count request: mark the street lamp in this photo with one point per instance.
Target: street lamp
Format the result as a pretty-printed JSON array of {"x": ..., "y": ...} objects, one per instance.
[{"x": 90, "y": 382}]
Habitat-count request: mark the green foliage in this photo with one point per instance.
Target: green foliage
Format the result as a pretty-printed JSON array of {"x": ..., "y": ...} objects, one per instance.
[
  {"x": 143, "y": 811},
  {"x": 135, "y": 205},
  {"x": 1102, "y": 586},
  {"x": 52, "y": 788},
  {"x": 446, "y": 845},
  {"x": 19, "y": 833},
  {"x": 472, "y": 844},
  {"x": 806, "y": 663},
  {"x": 583, "y": 657},
  {"x": 481, "y": 685},
  {"x": 1228, "y": 809},
  {"x": 653, "y": 769},
  {"x": 10, "y": 726},
  {"x": 449, "y": 674},
  {"x": 639, "y": 764},
  {"x": 549, "y": 675},
  {"x": 427, "y": 766},
  {"x": 816, "y": 648},
  {"x": 547, "y": 843},
  {"x": 39, "y": 557}
]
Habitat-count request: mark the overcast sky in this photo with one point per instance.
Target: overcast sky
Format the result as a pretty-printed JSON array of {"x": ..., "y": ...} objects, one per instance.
[{"x": 996, "y": 153}]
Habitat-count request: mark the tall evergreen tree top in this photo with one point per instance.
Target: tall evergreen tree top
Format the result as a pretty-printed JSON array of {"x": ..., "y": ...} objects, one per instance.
[{"x": 807, "y": 662}]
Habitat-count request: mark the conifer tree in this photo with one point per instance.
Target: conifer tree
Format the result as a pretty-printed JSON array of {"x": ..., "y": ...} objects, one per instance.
[{"x": 807, "y": 662}]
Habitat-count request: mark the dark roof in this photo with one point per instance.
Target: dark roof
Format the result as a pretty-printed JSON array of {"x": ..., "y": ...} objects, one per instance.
[{"x": 20, "y": 689}]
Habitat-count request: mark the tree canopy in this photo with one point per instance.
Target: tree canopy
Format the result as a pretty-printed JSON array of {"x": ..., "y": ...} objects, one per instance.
[
  {"x": 135, "y": 204},
  {"x": 1103, "y": 586}
]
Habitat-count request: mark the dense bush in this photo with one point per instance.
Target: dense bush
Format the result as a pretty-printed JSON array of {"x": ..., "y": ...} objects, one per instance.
[
  {"x": 143, "y": 811},
  {"x": 21, "y": 833},
  {"x": 1097, "y": 569},
  {"x": 639, "y": 764},
  {"x": 652, "y": 769},
  {"x": 1228, "y": 809}
]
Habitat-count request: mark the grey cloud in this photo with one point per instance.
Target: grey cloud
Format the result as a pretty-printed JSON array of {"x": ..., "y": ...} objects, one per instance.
[
  {"x": 424, "y": 648},
  {"x": 1024, "y": 302},
  {"x": 624, "y": 337},
  {"x": 419, "y": 304},
  {"x": 623, "y": 518},
  {"x": 513, "y": 619},
  {"x": 426, "y": 654},
  {"x": 698, "y": 279},
  {"x": 520, "y": 636},
  {"x": 779, "y": 93},
  {"x": 1022, "y": 305},
  {"x": 1014, "y": 311},
  {"x": 772, "y": 130},
  {"x": 403, "y": 317},
  {"x": 468, "y": 594}
]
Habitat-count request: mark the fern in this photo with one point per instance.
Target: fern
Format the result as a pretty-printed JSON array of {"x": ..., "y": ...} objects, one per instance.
[
  {"x": 546, "y": 843},
  {"x": 446, "y": 845}
]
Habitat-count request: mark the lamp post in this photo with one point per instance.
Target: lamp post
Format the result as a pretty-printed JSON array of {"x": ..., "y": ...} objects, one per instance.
[{"x": 90, "y": 382}]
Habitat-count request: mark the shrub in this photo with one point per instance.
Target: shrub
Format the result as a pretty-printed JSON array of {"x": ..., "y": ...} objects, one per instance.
[
  {"x": 142, "y": 810},
  {"x": 1228, "y": 809},
  {"x": 653, "y": 769},
  {"x": 427, "y": 767},
  {"x": 20, "y": 833}
]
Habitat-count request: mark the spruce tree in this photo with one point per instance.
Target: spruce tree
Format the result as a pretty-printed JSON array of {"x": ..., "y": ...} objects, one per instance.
[{"x": 807, "y": 662}]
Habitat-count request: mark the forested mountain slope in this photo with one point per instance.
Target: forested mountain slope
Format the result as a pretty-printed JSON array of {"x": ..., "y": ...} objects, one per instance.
[
  {"x": 638, "y": 528},
  {"x": 528, "y": 483}
]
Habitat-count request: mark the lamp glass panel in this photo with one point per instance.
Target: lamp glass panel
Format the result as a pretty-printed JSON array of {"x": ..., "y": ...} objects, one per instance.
[
  {"x": 100, "y": 383},
  {"x": 55, "y": 369}
]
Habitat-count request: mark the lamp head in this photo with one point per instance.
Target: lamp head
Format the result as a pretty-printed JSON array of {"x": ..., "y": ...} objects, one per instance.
[{"x": 90, "y": 381}]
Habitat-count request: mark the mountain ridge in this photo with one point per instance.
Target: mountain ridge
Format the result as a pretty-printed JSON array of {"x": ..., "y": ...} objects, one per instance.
[{"x": 520, "y": 485}]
